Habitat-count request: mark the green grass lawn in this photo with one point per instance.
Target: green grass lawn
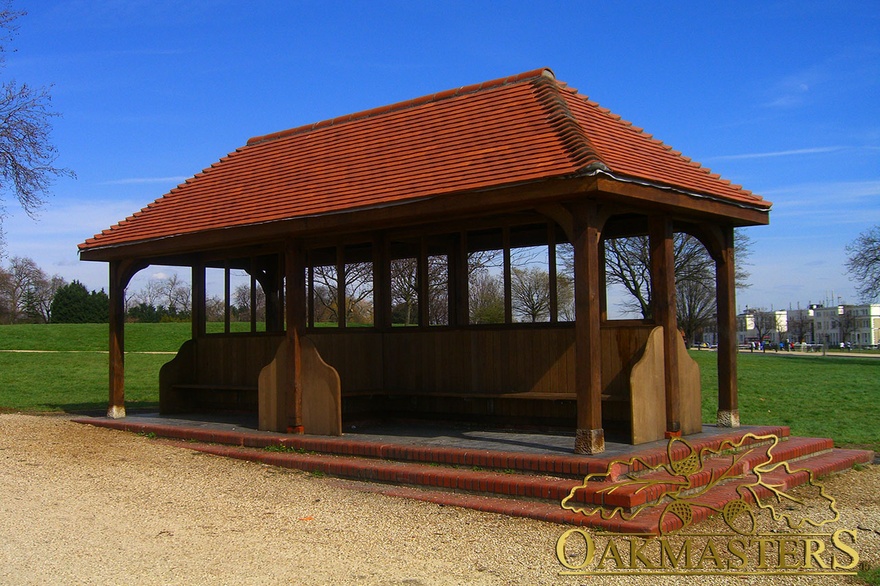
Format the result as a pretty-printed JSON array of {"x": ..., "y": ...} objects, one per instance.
[
  {"x": 818, "y": 396},
  {"x": 814, "y": 396}
]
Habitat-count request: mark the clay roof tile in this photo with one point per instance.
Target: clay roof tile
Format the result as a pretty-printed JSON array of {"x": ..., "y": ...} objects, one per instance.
[{"x": 521, "y": 128}]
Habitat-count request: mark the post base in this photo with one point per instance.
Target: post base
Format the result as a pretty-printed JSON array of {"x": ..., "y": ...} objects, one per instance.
[
  {"x": 116, "y": 411},
  {"x": 589, "y": 441},
  {"x": 728, "y": 418}
]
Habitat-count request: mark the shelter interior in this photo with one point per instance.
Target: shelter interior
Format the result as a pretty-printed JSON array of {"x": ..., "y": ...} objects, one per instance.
[{"x": 412, "y": 340}]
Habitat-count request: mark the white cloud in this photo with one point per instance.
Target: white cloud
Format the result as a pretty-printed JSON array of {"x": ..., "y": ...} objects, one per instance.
[{"x": 787, "y": 153}]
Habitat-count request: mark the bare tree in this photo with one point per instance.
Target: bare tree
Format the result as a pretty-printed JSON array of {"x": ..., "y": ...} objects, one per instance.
[
  {"x": 799, "y": 322},
  {"x": 358, "y": 290},
  {"x": 175, "y": 293},
  {"x": 765, "y": 323},
  {"x": 149, "y": 295},
  {"x": 863, "y": 263},
  {"x": 695, "y": 308},
  {"x": 39, "y": 298},
  {"x": 628, "y": 263},
  {"x": 215, "y": 309},
  {"x": 485, "y": 298},
  {"x": 530, "y": 294},
  {"x": 26, "y": 292},
  {"x": 27, "y": 157}
]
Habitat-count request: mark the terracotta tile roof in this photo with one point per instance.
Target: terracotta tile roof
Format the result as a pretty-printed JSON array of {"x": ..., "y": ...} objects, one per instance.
[{"x": 507, "y": 131}]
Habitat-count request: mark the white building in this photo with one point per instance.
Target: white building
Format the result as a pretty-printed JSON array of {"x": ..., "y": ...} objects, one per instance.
[{"x": 858, "y": 325}]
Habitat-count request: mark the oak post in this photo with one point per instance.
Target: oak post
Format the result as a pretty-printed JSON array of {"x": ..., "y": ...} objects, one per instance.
[
  {"x": 508, "y": 294},
  {"x": 460, "y": 284},
  {"x": 725, "y": 286},
  {"x": 295, "y": 312},
  {"x": 422, "y": 278},
  {"x": 198, "y": 300},
  {"x": 551, "y": 266},
  {"x": 663, "y": 302},
  {"x": 341, "y": 308},
  {"x": 590, "y": 436},
  {"x": 120, "y": 274}
]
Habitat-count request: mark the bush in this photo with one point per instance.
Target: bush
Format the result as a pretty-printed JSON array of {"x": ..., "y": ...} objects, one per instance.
[{"x": 73, "y": 304}]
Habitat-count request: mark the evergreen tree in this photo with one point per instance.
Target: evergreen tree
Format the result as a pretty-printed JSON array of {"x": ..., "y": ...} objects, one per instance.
[{"x": 73, "y": 304}]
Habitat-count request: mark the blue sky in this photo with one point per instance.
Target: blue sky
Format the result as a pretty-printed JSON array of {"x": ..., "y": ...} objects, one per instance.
[{"x": 781, "y": 97}]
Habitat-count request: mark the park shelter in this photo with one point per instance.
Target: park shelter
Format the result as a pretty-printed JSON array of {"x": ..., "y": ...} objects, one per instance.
[{"x": 524, "y": 161}]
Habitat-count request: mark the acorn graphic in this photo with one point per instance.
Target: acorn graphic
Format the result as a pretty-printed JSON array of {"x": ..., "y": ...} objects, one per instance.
[
  {"x": 690, "y": 464},
  {"x": 680, "y": 510},
  {"x": 739, "y": 516}
]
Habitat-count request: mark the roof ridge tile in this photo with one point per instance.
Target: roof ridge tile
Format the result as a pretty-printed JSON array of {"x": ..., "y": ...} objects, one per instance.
[{"x": 581, "y": 150}]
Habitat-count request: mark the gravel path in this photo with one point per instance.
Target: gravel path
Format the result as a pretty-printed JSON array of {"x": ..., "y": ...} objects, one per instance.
[{"x": 83, "y": 505}]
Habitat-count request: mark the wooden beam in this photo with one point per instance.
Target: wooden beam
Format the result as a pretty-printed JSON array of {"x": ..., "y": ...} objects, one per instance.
[
  {"x": 663, "y": 303},
  {"x": 590, "y": 436},
  {"x": 451, "y": 207}
]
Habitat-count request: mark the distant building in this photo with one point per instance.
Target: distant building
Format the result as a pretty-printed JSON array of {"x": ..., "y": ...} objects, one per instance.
[
  {"x": 747, "y": 330},
  {"x": 858, "y": 325}
]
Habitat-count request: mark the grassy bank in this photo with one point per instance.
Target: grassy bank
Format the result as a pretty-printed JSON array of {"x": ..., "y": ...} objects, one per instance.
[{"x": 814, "y": 395}]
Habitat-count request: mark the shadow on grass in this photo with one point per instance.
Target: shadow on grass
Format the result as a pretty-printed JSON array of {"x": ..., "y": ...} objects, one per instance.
[{"x": 93, "y": 408}]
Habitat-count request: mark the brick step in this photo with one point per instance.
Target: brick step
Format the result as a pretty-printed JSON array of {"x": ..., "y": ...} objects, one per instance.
[
  {"x": 555, "y": 464},
  {"x": 650, "y": 486},
  {"x": 532, "y": 496},
  {"x": 524, "y": 484},
  {"x": 466, "y": 479},
  {"x": 837, "y": 460}
]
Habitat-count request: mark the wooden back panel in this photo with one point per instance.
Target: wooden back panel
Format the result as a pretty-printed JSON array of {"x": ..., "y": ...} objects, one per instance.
[{"x": 234, "y": 360}]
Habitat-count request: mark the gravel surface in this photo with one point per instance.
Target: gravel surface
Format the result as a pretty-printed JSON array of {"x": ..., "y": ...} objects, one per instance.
[{"x": 83, "y": 505}]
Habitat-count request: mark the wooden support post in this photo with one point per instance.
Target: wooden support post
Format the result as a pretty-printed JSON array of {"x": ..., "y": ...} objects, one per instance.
[
  {"x": 227, "y": 291},
  {"x": 198, "y": 310},
  {"x": 551, "y": 266},
  {"x": 663, "y": 301},
  {"x": 379, "y": 284},
  {"x": 120, "y": 274},
  {"x": 460, "y": 272},
  {"x": 725, "y": 286},
  {"x": 508, "y": 293},
  {"x": 603, "y": 284},
  {"x": 311, "y": 292},
  {"x": 274, "y": 294},
  {"x": 590, "y": 438},
  {"x": 295, "y": 312},
  {"x": 423, "y": 284},
  {"x": 340, "y": 286},
  {"x": 253, "y": 300}
]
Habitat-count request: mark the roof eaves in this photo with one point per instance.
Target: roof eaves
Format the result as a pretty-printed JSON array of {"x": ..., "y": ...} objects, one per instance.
[{"x": 759, "y": 205}]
